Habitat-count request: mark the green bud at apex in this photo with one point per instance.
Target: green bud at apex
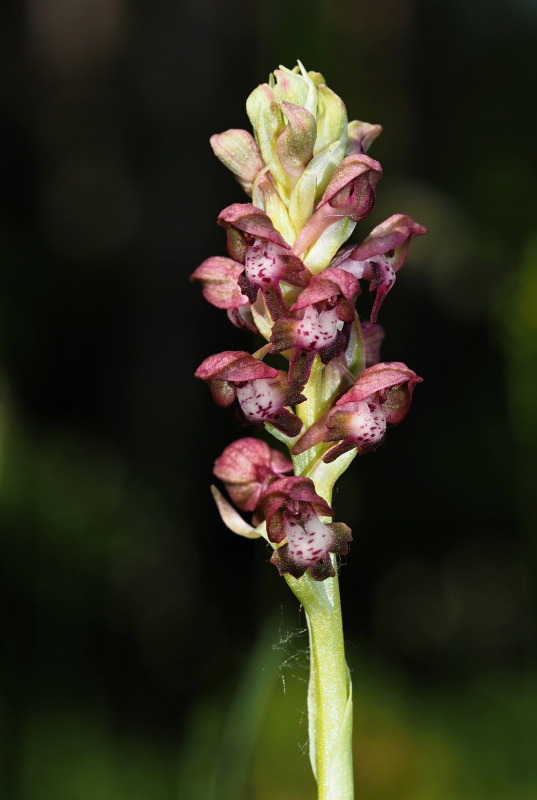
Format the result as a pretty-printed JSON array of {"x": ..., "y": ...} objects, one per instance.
[{"x": 300, "y": 126}]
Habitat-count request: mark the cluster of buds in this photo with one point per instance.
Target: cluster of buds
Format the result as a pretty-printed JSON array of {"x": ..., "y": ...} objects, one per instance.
[{"x": 289, "y": 279}]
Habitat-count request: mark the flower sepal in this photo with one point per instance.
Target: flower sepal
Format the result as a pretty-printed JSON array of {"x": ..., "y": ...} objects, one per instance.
[{"x": 219, "y": 283}]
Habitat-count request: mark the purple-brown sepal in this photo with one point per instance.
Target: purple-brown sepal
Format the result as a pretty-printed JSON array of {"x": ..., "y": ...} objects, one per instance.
[{"x": 372, "y": 338}]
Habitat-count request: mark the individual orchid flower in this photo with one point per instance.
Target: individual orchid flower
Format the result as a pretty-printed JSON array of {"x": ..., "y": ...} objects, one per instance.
[
  {"x": 381, "y": 395},
  {"x": 315, "y": 322},
  {"x": 219, "y": 283},
  {"x": 246, "y": 468},
  {"x": 350, "y": 193},
  {"x": 380, "y": 255},
  {"x": 292, "y": 508},
  {"x": 253, "y": 241},
  {"x": 262, "y": 391}
]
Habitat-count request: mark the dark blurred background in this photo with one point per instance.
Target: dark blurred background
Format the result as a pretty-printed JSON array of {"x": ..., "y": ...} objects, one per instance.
[{"x": 146, "y": 651}]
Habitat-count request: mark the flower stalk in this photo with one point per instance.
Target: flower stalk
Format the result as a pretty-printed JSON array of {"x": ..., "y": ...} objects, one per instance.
[{"x": 289, "y": 280}]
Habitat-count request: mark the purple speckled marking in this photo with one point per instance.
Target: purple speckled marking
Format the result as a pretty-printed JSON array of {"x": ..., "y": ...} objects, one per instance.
[
  {"x": 262, "y": 262},
  {"x": 259, "y": 399},
  {"x": 308, "y": 538},
  {"x": 317, "y": 329}
]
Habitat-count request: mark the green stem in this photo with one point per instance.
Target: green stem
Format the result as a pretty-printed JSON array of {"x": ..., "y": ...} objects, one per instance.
[
  {"x": 309, "y": 412},
  {"x": 329, "y": 691}
]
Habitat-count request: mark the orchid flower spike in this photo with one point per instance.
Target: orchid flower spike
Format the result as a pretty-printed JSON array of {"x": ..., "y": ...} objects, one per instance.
[{"x": 288, "y": 277}]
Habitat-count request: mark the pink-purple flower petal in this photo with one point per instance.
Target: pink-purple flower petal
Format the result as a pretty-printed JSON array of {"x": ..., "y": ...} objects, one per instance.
[
  {"x": 234, "y": 366},
  {"x": 245, "y": 222},
  {"x": 379, "y": 378}
]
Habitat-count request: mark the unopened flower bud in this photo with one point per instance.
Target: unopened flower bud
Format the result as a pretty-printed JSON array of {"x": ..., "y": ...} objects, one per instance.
[
  {"x": 267, "y": 120},
  {"x": 238, "y": 151},
  {"x": 360, "y": 136},
  {"x": 331, "y": 119},
  {"x": 295, "y": 86},
  {"x": 286, "y": 150},
  {"x": 351, "y": 192},
  {"x": 246, "y": 467},
  {"x": 296, "y": 141}
]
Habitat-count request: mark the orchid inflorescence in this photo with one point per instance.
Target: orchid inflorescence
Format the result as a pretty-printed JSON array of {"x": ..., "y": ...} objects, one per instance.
[{"x": 311, "y": 181}]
